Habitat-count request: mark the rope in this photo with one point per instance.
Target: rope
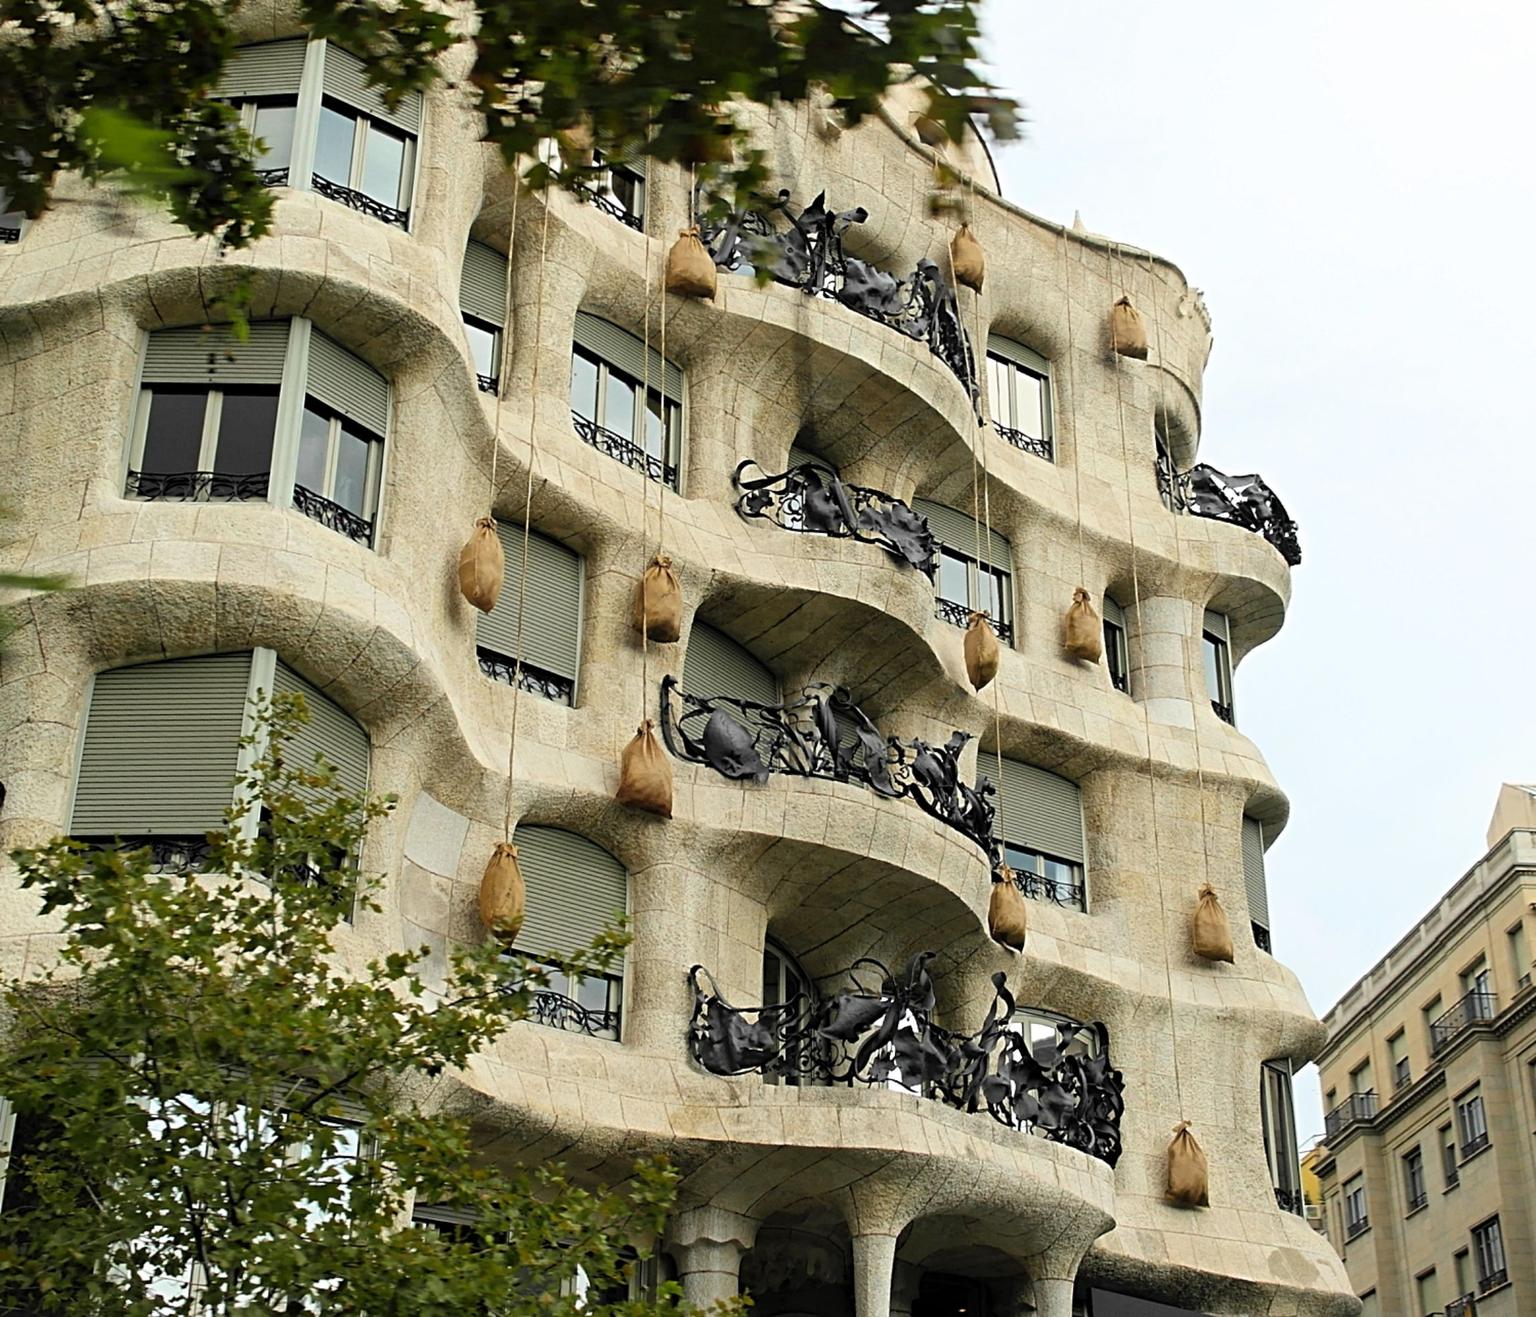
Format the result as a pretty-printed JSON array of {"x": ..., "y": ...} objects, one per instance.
[
  {"x": 645, "y": 496},
  {"x": 503, "y": 365},
  {"x": 1077, "y": 462}
]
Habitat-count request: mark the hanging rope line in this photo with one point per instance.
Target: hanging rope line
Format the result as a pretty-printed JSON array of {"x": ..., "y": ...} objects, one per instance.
[
  {"x": 504, "y": 356},
  {"x": 645, "y": 496}
]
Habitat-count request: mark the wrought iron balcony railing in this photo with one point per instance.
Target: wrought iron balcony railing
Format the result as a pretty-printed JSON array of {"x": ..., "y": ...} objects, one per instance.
[
  {"x": 805, "y": 251},
  {"x": 880, "y": 1032},
  {"x": 1474, "y": 1145},
  {"x": 1224, "y": 712},
  {"x": 555, "y": 1010},
  {"x": 1356, "y": 1107},
  {"x": 196, "y": 486},
  {"x": 1026, "y": 442},
  {"x": 1291, "y": 1200},
  {"x": 8, "y": 234},
  {"x": 1493, "y": 1280},
  {"x": 1357, "y": 1227},
  {"x": 273, "y": 177},
  {"x": 812, "y": 498},
  {"x": 1420, "y": 1199},
  {"x": 174, "y": 854},
  {"x": 1039, "y": 887},
  {"x": 959, "y": 614},
  {"x": 822, "y": 733},
  {"x": 487, "y": 383},
  {"x": 1261, "y": 938},
  {"x": 1402, "y": 1074},
  {"x": 332, "y": 515},
  {"x": 612, "y": 206},
  {"x": 1464, "y": 1306},
  {"x": 1245, "y": 501},
  {"x": 624, "y": 450},
  {"x": 525, "y": 676},
  {"x": 360, "y": 201},
  {"x": 1473, "y": 1008}
]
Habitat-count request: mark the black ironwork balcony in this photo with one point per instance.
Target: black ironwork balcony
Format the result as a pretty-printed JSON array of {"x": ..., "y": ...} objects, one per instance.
[
  {"x": 624, "y": 450},
  {"x": 1473, "y": 1008},
  {"x": 880, "y": 1032},
  {"x": 1037, "y": 887},
  {"x": 1224, "y": 712},
  {"x": 174, "y": 854},
  {"x": 821, "y": 733},
  {"x": 196, "y": 486},
  {"x": 273, "y": 177},
  {"x": 487, "y": 383},
  {"x": 1471, "y": 1147},
  {"x": 1026, "y": 442},
  {"x": 812, "y": 498},
  {"x": 805, "y": 251},
  {"x": 555, "y": 1010},
  {"x": 1402, "y": 1074},
  {"x": 1493, "y": 1280},
  {"x": 360, "y": 201},
  {"x": 610, "y": 205},
  {"x": 1261, "y": 938},
  {"x": 1523, "y": 982},
  {"x": 8, "y": 234},
  {"x": 1420, "y": 1199},
  {"x": 1245, "y": 501},
  {"x": 1356, "y": 1107},
  {"x": 1291, "y": 1200},
  {"x": 525, "y": 676},
  {"x": 1464, "y": 1306},
  {"x": 342, "y": 520},
  {"x": 958, "y": 614},
  {"x": 1357, "y": 1227}
]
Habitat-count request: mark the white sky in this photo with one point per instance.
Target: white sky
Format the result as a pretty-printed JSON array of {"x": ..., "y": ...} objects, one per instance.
[{"x": 1352, "y": 186}]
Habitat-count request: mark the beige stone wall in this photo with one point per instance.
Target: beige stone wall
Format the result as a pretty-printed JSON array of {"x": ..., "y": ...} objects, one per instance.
[{"x": 830, "y": 869}]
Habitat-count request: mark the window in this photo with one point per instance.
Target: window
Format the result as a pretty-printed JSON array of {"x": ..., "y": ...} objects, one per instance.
[
  {"x": 613, "y": 409},
  {"x": 1116, "y": 652},
  {"x": 1414, "y": 1189},
  {"x": 11, "y": 221},
  {"x": 575, "y": 890},
  {"x": 1019, "y": 389},
  {"x": 1356, "y": 1221},
  {"x": 1169, "y": 484},
  {"x": 483, "y": 304},
  {"x": 619, "y": 188},
  {"x": 1519, "y": 956},
  {"x": 964, "y": 583},
  {"x": 1216, "y": 645},
  {"x": 1397, "y": 1055},
  {"x": 784, "y": 981},
  {"x": 1430, "y": 1012},
  {"x": 1370, "y": 1306},
  {"x": 1463, "y": 1261},
  {"x": 210, "y": 423},
  {"x": 715, "y": 666},
  {"x": 1255, "y": 882},
  {"x": 1477, "y": 990},
  {"x": 1277, "y": 1112},
  {"x": 1449, "y": 1162},
  {"x": 341, "y": 139},
  {"x": 1040, "y": 824},
  {"x": 1471, "y": 1122},
  {"x": 1360, "y": 1080},
  {"x": 551, "y": 630},
  {"x": 1427, "y": 1287},
  {"x": 1488, "y": 1245},
  {"x": 128, "y": 788}
]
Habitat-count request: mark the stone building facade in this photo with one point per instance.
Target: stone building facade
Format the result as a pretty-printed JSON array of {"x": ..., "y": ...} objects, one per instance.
[
  {"x": 289, "y": 513},
  {"x": 1429, "y": 1087}
]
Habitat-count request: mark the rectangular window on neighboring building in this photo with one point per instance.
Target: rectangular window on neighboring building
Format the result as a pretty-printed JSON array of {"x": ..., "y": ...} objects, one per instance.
[
  {"x": 1472, "y": 1122},
  {"x": 1428, "y": 1286},
  {"x": 1448, "y": 1160},
  {"x": 1369, "y": 1305},
  {"x": 1413, "y": 1180},
  {"x": 1431, "y": 1011},
  {"x": 1356, "y": 1218},
  {"x": 1397, "y": 1054},
  {"x": 1477, "y": 990},
  {"x": 1519, "y": 957},
  {"x": 1488, "y": 1245}
]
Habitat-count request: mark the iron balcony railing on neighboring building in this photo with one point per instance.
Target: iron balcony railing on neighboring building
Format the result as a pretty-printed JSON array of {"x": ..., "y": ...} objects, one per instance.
[
  {"x": 1291, "y": 1200},
  {"x": 1464, "y": 1306},
  {"x": 1493, "y": 1280},
  {"x": 880, "y": 1032},
  {"x": 1356, "y": 1107},
  {"x": 1474, "y": 1145},
  {"x": 1402, "y": 1074},
  {"x": 1473, "y": 1008},
  {"x": 1245, "y": 501},
  {"x": 1357, "y": 1227}
]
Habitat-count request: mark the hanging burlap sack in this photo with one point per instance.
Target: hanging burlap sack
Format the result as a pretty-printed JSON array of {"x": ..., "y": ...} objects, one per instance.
[
  {"x": 1084, "y": 630},
  {"x": 576, "y": 144},
  {"x": 981, "y": 652},
  {"x": 645, "y": 774},
  {"x": 1212, "y": 933},
  {"x": 930, "y": 132},
  {"x": 1189, "y": 1179},
  {"x": 482, "y": 565},
  {"x": 502, "y": 893},
  {"x": 659, "y": 602},
  {"x": 970, "y": 265},
  {"x": 1127, "y": 333},
  {"x": 1007, "y": 914},
  {"x": 690, "y": 269}
]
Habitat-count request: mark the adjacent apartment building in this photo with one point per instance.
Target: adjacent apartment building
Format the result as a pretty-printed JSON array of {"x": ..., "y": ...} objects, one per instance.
[
  {"x": 1429, "y": 1089},
  {"x": 843, "y": 462}
]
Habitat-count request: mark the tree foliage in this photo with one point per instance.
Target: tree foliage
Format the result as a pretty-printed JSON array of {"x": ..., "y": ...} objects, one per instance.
[
  {"x": 124, "y": 87},
  {"x": 216, "y": 1117}
]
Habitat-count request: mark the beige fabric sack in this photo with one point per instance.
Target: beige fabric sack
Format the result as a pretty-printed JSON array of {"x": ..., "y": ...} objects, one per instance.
[
  {"x": 981, "y": 651},
  {"x": 966, "y": 255},
  {"x": 1212, "y": 933},
  {"x": 503, "y": 895},
  {"x": 645, "y": 774},
  {"x": 659, "y": 602},
  {"x": 690, "y": 268},
  {"x": 482, "y": 566},
  {"x": 1084, "y": 631},
  {"x": 576, "y": 144},
  {"x": 1189, "y": 1178},
  {"x": 1127, "y": 332},
  {"x": 1007, "y": 913}
]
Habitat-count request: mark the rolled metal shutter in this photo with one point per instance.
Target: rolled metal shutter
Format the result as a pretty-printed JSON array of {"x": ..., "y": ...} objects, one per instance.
[
  {"x": 483, "y": 283},
  {"x": 716, "y": 665},
  {"x": 348, "y": 385},
  {"x": 271, "y": 68},
  {"x": 347, "y": 80},
  {"x": 799, "y": 457},
  {"x": 575, "y": 890},
  {"x": 1253, "y": 871},
  {"x": 1039, "y": 810},
  {"x": 1018, "y": 354},
  {"x": 331, "y": 733},
  {"x": 1114, "y": 613},
  {"x": 161, "y": 748},
  {"x": 618, "y": 347},
  {"x": 215, "y": 357},
  {"x": 1216, "y": 624},
  {"x": 552, "y": 631},
  {"x": 958, "y": 532}
]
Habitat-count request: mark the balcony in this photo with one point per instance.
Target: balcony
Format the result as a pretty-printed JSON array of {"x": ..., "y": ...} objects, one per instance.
[
  {"x": 1355, "y": 1108},
  {"x": 1244, "y": 501},
  {"x": 1474, "y": 1145},
  {"x": 1291, "y": 1200},
  {"x": 8, "y": 234},
  {"x": 1465, "y": 1306},
  {"x": 880, "y": 1033},
  {"x": 524, "y": 676},
  {"x": 1493, "y": 1280},
  {"x": 624, "y": 449},
  {"x": 1357, "y": 1227},
  {"x": 1474, "y": 1008},
  {"x": 1402, "y": 1074},
  {"x": 359, "y": 201}
]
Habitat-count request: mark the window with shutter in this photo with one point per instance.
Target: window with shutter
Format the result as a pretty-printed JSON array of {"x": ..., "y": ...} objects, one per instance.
[
  {"x": 714, "y": 665},
  {"x": 341, "y": 441},
  {"x": 1019, "y": 390},
  {"x": 1117, "y": 657},
  {"x": 965, "y": 583},
  {"x": 1254, "y": 881},
  {"x": 625, "y": 400},
  {"x": 262, "y": 81},
  {"x": 1040, "y": 824},
  {"x": 483, "y": 305},
  {"x": 575, "y": 889},
  {"x": 551, "y": 637},
  {"x": 1216, "y": 646}
]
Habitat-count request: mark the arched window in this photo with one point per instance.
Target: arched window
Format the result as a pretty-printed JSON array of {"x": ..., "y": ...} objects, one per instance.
[
  {"x": 1040, "y": 824},
  {"x": 576, "y": 889},
  {"x": 483, "y": 304},
  {"x": 965, "y": 583},
  {"x": 610, "y": 406},
  {"x": 551, "y": 629},
  {"x": 1019, "y": 388}
]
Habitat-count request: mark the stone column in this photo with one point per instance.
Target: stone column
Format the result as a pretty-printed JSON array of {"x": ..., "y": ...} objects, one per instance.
[
  {"x": 707, "y": 1244},
  {"x": 874, "y": 1260},
  {"x": 1053, "y": 1274},
  {"x": 1162, "y": 658}
]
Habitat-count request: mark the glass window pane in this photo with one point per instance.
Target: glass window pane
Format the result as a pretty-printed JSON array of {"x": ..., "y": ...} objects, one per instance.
[
  {"x": 592, "y": 993},
  {"x": 1214, "y": 685},
  {"x": 584, "y": 386},
  {"x": 629, "y": 191},
  {"x": 314, "y": 447},
  {"x": 619, "y": 406},
  {"x": 1029, "y": 390},
  {"x": 247, "y": 422},
  {"x": 333, "y": 147},
  {"x": 274, "y": 127},
  {"x": 351, "y": 484},
  {"x": 954, "y": 578},
  {"x": 1002, "y": 397},
  {"x": 655, "y": 443},
  {"x": 482, "y": 348},
  {"x": 384, "y": 165},
  {"x": 175, "y": 433}
]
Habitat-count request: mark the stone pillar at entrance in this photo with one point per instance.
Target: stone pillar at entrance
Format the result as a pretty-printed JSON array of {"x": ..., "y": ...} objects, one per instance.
[{"x": 707, "y": 1244}]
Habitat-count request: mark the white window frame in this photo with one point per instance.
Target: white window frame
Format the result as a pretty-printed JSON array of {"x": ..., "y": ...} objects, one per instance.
[
  {"x": 672, "y": 444},
  {"x": 365, "y": 125},
  {"x": 333, "y": 456},
  {"x": 1039, "y": 368}
]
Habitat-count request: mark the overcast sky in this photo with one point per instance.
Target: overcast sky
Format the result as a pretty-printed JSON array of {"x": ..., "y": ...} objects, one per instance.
[{"x": 1352, "y": 186}]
